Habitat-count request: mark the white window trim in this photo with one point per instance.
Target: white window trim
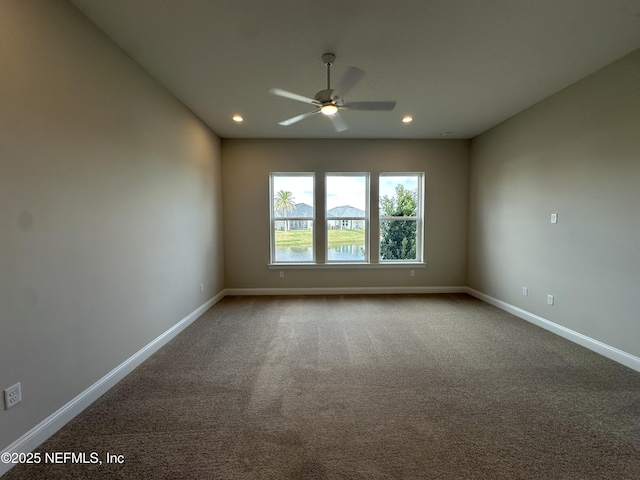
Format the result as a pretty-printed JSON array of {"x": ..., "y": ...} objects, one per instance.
[
  {"x": 374, "y": 263},
  {"x": 344, "y": 265}
]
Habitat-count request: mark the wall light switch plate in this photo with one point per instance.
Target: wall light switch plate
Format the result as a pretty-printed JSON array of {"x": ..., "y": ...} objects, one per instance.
[
  {"x": 525, "y": 291},
  {"x": 554, "y": 218},
  {"x": 549, "y": 299}
]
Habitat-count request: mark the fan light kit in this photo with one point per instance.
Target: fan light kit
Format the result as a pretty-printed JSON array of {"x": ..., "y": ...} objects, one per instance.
[
  {"x": 330, "y": 101},
  {"x": 329, "y": 109}
]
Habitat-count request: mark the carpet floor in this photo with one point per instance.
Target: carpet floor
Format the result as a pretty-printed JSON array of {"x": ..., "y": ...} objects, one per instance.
[{"x": 360, "y": 387}]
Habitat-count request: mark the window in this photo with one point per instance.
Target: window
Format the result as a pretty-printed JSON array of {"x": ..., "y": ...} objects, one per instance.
[
  {"x": 353, "y": 232},
  {"x": 347, "y": 200},
  {"x": 292, "y": 216},
  {"x": 400, "y": 214}
]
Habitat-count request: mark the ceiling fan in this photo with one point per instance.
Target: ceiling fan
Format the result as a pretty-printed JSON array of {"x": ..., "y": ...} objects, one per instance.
[{"x": 329, "y": 102}]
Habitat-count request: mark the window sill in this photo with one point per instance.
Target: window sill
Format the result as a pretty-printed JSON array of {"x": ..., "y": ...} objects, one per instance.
[{"x": 338, "y": 265}]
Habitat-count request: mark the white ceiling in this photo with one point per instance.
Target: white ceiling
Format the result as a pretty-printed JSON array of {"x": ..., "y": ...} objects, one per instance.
[{"x": 458, "y": 66}]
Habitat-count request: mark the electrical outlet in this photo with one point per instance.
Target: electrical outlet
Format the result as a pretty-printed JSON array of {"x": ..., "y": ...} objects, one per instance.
[
  {"x": 412, "y": 273},
  {"x": 525, "y": 291},
  {"x": 202, "y": 287},
  {"x": 12, "y": 396},
  {"x": 549, "y": 299},
  {"x": 554, "y": 218},
  {"x": 281, "y": 274}
]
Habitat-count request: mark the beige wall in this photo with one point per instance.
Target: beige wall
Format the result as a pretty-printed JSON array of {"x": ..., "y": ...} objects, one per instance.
[
  {"x": 110, "y": 208},
  {"x": 576, "y": 153},
  {"x": 246, "y": 167}
]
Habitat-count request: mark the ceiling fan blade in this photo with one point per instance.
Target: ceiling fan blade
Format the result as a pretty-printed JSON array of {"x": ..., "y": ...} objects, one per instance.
[
  {"x": 386, "y": 106},
  {"x": 291, "y": 121},
  {"x": 338, "y": 122},
  {"x": 293, "y": 96},
  {"x": 349, "y": 80}
]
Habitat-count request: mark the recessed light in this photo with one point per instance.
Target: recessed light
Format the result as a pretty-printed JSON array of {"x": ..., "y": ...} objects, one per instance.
[
  {"x": 407, "y": 119},
  {"x": 237, "y": 118}
]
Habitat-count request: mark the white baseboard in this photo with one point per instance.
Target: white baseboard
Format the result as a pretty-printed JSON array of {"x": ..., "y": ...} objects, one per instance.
[
  {"x": 343, "y": 290},
  {"x": 54, "y": 422},
  {"x": 597, "y": 346}
]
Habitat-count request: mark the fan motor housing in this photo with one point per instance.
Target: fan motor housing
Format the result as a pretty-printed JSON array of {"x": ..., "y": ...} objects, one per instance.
[{"x": 324, "y": 96}]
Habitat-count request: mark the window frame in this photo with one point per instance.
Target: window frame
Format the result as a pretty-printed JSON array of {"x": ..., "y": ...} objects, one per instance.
[
  {"x": 273, "y": 219},
  {"x": 372, "y": 223},
  {"x": 366, "y": 218},
  {"x": 418, "y": 218}
]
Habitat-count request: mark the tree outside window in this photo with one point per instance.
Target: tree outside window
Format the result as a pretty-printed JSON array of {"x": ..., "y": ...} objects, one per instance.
[
  {"x": 400, "y": 217},
  {"x": 284, "y": 202}
]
